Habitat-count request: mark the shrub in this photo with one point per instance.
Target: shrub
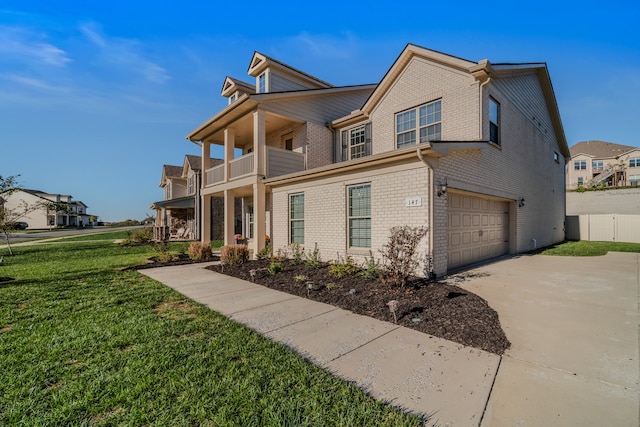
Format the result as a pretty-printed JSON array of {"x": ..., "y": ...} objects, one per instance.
[
  {"x": 162, "y": 250},
  {"x": 312, "y": 259},
  {"x": 400, "y": 256},
  {"x": 141, "y": 235},
  {"x": 296, "y": 253},
  {"x": 371, "y": 268},
  {"x": 264, "y": 253},
  {"x": 274, "y": 268},
  {"x": 234, "y": 254},
  {"x": 200, "y": 251},
  {"x": 343, "y": 267}
]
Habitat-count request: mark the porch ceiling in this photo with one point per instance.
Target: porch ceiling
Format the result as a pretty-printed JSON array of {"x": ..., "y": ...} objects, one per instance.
[{"x": 243, "y": 127}]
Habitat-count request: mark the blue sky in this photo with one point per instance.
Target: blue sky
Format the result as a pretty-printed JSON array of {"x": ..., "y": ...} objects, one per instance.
[{"x": 96, "y": 96}]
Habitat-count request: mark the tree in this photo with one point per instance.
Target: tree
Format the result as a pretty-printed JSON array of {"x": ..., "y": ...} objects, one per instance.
[{"x": 9, "y": 218}]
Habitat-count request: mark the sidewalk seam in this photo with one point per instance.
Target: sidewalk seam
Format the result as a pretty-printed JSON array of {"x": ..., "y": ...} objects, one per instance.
[
  {"x": 362, "y": 345},
  {"x": 493, "y": 383}
]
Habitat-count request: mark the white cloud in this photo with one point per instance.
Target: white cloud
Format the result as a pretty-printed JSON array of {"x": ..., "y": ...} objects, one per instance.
[
  {"x": 32, "y": 82},
  {"x": 19, "y": 44},
  {"x": 124, "y": 54}
]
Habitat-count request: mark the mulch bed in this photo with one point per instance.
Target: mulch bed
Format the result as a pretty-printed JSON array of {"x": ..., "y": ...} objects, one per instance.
[{"x": 442, "y": 310}]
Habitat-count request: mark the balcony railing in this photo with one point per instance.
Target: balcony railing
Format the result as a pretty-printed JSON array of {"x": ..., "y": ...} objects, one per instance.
[{"x": 278, "y": 162}]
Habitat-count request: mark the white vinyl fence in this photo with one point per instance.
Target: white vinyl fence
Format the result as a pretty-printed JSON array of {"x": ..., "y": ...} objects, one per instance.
[{"x": 604, "y": 228}]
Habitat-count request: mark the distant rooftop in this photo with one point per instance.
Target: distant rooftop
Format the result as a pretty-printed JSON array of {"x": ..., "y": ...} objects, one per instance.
[{"x": 600, "y": 149}]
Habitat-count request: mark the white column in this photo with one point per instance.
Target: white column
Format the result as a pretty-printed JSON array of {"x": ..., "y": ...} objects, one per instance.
[
  {"x": 229, "y": 146},
  {"x": 259, "y": 143},
  {"x": 205, "y": 233},
  {"x": 259, "y": 217}
]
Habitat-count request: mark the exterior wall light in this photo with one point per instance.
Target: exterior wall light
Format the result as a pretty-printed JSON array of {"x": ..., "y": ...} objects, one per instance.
[
  {"x": 521, "y": 202},
  {"x": 442, "y": 188}
]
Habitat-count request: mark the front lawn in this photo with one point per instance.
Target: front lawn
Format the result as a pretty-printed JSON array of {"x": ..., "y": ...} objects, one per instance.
[
  {"x": 587, "y": 248},
  {"x": 84, "y": 342}
]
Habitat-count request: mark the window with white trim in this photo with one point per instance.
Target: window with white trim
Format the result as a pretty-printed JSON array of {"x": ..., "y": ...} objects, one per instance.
[
  {"x": 634, "y": 180},
  {"x": 191, "y": 185},
  {"x": 634, "y": 162},
  {"x": 359, "y": 215},
  {"x": 597, "y": 165},
  {"x": 580, "y": 181},
  {"x": 494, "y": 121},
  {"x": 580, "y": 165},
  {"x": 424, "y": 121},
  {"x": 262, "y": 83},
  {"x": 167, "y": 191},
  {"x": 356, "y": 142},
  {"x": 296, "y": 218}
]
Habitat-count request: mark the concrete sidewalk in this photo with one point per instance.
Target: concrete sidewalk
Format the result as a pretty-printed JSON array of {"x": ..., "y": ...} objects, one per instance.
[
  {"x": 573, "y": 324},
  {"x": 409, "y": 369}
]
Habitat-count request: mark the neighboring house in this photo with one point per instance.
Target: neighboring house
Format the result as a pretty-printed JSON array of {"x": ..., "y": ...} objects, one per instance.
[
  {"x": 178, "y": 215},
  {"x": 474, "y": 151},
  {"x": 595, "y": 163},
  {"x": 75, "y": 214}
]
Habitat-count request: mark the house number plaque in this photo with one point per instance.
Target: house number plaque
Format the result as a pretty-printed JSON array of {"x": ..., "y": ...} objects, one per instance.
[{"x": 412, "y": 202}]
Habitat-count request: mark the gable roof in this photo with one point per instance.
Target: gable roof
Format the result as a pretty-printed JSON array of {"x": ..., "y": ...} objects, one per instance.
[
  {"x": 195, "y": 163},
  {"x": 600, "y": 149},
  {"x": 230, "y": 85},
  {"x": 482, "y": 70},
  {"x": 259, "y": 62}
]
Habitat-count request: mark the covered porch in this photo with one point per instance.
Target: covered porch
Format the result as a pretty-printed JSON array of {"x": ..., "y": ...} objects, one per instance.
[{"x": 176, "y": 219}]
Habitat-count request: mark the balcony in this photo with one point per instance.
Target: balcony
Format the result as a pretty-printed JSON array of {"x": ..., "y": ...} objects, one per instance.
[{"x": 278, "y": 162}]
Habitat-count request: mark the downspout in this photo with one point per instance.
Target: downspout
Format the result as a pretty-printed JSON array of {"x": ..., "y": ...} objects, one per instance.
[
  {"x": 431, "y": 205},
  {"x": 482, "y": 85}
]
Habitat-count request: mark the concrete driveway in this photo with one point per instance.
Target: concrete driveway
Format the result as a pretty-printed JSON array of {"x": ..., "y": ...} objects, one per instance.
[{"x": 573, "y": 323}]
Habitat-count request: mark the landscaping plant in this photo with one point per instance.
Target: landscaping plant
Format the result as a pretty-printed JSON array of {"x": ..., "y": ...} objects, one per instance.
[{"x": 400, "y": 257}]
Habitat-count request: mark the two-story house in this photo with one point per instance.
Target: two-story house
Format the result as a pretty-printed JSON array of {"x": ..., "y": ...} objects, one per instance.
[
  {"x": 595, "y": 163},
  {"x": 73, "y": 213},
  {"x": 178, "y": 215},
  {"x": 474, "y": 151}
]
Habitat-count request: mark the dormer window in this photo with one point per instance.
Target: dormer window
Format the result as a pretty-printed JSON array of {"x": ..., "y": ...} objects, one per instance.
[
  {"x": 233, "y": 98},
  {"x": 262, "y": 83}
]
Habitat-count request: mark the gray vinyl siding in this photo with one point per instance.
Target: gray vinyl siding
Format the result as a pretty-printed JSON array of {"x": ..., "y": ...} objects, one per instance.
[
  {"x": 525, "y": 93},
  {"x": 280, "y": 83},
  {"x": 319, "y": 109}
]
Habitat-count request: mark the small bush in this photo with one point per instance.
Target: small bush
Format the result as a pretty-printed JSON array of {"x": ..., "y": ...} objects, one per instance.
[
  {"x": 141, "y": 235},
  {"x": 234, "y": 254},
  {"x": 199, "y": 251},
  {"x": 312, "y": 258},
  {"x": 275, "y": 268},
  {"x": 343, "y": 267},
  {"x": 296, "y": 253},
  {"x": 370, "y": 269},
  {"x": 264, "y": 253},
  {"x": 400, "y": 256},
  {"x": 162, "y": 250}
]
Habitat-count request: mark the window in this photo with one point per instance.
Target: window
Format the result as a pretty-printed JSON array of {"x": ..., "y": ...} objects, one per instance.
[
  {"x": 580, "y": 181},
  {"x": 634, "y": 180},
  {"x": 356, "y": 142},
  {"x": 233, "y": 98},
  {"x": 494, "y": 121},
  {"x": 262, "y": 83},
  {"x": 556, "y": 157},
  {"x": 288, "y": 144},
  {"x": 580, "y": 165},
  {"x": 359, "y": 216},
  {"x": 249, "y": 233},
  {"x": 296, "y": 218},
  {"x": 428, "y": 124},
  {"x": 634, "y": 162},
  {"x": 191, "y": 185},
  {"x": 597, "y": 166},
  {"x": 167, "y": 192}
]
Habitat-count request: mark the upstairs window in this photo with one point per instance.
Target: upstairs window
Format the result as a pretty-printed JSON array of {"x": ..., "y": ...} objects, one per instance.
[
  {"x": 494, "y": 121},
  {"x": 356, "y": 142},
  {"x": 424, "y": 121},
  {"x": 167, "y": 192},
  {"x": 597, "y": 166},
  {"x": 233, "y": 98},
  {"x": 191, "y": 185},
  {"x": 262, "y": 83},
  {"x": 580, "y": 165},
  {"x": 634, "y": 162}
]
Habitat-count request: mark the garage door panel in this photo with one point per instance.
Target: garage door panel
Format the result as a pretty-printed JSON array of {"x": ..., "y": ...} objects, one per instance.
[{"x": 478, "y": 229}]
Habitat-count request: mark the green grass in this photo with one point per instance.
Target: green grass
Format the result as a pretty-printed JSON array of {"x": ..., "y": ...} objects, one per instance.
[
  {"x": 587, "y": 248},
  {"x": 84, "y": 342}
]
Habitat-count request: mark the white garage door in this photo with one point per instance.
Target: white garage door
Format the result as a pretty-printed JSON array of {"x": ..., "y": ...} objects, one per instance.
[{"x": 478, "y": 229}]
